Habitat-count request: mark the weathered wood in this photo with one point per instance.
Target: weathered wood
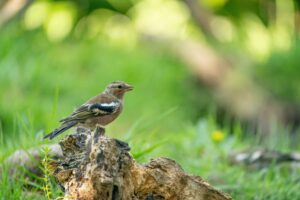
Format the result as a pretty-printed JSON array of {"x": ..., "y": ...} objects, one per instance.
[
  {"x": 262, "y": 158},
  {"x": 97, "y": 167}
]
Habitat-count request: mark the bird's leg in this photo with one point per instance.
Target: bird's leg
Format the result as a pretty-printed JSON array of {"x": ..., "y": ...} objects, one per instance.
[
  {"x": 97, "y": 133},
  {"x": 100, "y": 130}
]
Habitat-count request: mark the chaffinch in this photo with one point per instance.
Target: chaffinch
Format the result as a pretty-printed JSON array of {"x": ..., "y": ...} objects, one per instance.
[{"x": 99, "y": 110}]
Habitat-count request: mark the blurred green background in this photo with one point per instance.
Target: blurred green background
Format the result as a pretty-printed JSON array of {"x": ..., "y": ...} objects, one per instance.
[{"x": 211, "y": 77}]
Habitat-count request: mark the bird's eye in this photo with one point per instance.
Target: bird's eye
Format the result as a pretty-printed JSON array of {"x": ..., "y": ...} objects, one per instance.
[{"x": 120, "y": 86}]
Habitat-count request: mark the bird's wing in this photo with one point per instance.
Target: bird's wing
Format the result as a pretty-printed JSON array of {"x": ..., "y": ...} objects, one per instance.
[{"x": 89, "y": 110}]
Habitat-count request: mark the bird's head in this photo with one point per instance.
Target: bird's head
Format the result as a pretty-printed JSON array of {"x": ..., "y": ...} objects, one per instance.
[{"x": 118, "y": 88}]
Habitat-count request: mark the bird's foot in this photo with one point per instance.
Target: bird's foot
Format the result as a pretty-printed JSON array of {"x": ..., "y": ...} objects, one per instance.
[{"x": 100, "y": 130}]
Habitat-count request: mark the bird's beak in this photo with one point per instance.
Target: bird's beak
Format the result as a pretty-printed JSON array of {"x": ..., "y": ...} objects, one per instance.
[{"x": 129, "y": 87}]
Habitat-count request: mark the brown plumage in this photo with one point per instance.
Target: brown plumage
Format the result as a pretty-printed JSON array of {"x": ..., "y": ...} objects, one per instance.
[{"x": 101, "y": 109}]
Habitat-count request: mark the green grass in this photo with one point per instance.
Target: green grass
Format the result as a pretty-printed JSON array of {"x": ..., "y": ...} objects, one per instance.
[
  {"x": 196, "y": 151},
  {"x": 41, "y": 82}
]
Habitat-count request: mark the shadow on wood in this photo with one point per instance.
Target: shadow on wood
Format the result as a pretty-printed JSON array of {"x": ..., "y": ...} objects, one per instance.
[{"x": 97, "y": 167}]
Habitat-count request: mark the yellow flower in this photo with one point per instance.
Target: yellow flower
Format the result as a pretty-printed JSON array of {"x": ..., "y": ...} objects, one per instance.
[{"x": 218, "y": 136}]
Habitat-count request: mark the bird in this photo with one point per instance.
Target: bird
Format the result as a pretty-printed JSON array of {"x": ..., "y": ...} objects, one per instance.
[{"x": 99, "y": 110}]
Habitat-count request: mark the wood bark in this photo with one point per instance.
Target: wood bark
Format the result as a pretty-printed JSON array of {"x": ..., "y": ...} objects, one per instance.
[{"x": 98, "y": 167}]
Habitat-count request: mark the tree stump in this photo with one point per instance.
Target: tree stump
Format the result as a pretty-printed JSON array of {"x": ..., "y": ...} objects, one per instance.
[{"x": 97, "y": 167}]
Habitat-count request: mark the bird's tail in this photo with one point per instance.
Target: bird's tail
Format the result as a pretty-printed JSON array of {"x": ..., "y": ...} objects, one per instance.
[{"x": 60, "y": 130}]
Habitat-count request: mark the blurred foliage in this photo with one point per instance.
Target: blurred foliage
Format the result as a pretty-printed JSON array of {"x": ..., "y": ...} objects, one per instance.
[
  {"x": 280, "y": 75},
  {"x": 262, "y": 30},
  {"x": 58, "y": 49},
  {"x": 43, "y": 81}
]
